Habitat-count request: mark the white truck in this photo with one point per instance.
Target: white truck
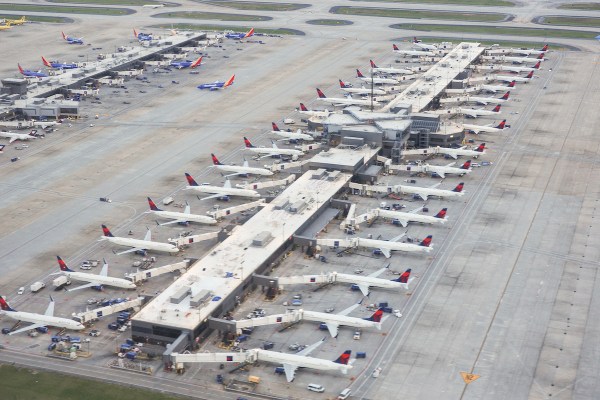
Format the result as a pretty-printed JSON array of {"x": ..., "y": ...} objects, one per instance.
[
  {"x": 37, "y": 286},
  {"x": 61, "y": 282}
]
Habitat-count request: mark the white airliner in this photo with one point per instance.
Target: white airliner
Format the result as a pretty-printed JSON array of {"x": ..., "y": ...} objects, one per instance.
[
  {"x": 344, "y": 101},
  {"x": 365, "y": 282},
  {"x": 462, "y": 151},
  {"x": 412, "y": 216},
  {"x": 498, "y": 88},
  {"x": 39, "y": 320},
  {"x": 376, "y": 80},
  {"x": 360, "y": 90},
  {"x": 420, "y": 53},
  {"x": 525, "y": 52},
  {"x": 219, "y": 191},
  {"x": 469, "y": 112},
  {"x": 245, "y": 169},
  {"x": 16, "y": 136},
  {"x": 432, "y": 191},
  {"x": 313, "y": 113},
  {"x": 477, "y": 99},
  {"x": 290, "y": 362},
  {"x": 511, "y": 78},
  {"x": 477, "y": 129},
  {"x": 180, "y": 218},
  {"x": 440, "y": 170},
  {"x": 390, "y": 70},
  {"x": 271, "y": 151},
  {"x": 384, "y": 246},
  {"x": 298, "y": 135},
  {"x": 518, "y": 60},
  {"x": 417, "y": 43},
  {"x": 138, "y": 245},
  {"x": 95, "y": 281}
]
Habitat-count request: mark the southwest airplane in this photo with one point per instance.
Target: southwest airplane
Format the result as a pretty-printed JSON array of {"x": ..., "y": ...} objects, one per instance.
[
  {"x": 186, "y": 63},
  {"x": 219, "y": 191},
  {"x": 217, "y": 85},
  {"x": 390, "y": 70},
  {"x": 375, "y": 80},
  {"x": 58, "y": 65},
  {"x": 518, "y": 60},
  {"x": 239, "y": 169},
  {"x": 179, "y": 218},
  {"x": 476, "y": 129},
  {"x": 361, "y": 90},
  {"x": 425, "y": 193},
  {"x": 137, "y": 244},
  {"x": 270, "y": 151},
  {"x": 30, "y": 73},
  {"x": 344, "y": 101},
  {"x": 240, "y": 36},
  {"x": 463, "y": 151},
  {"x": 39, "y": 320},
  {"x": 95, "y": 281},
  {"x": 16, "y": 136},
  {"x": 405, "y": 217},
  {"x": 298, "y": 135},
  {"x": 477, "y": 99},
  {"x": 386, "y": 247},
  {"x": 313, "y": 113},
  {"x": 412, "y": 52},
  {"x": 143, "y": 37},
  {"x": 72, "y": 40}
]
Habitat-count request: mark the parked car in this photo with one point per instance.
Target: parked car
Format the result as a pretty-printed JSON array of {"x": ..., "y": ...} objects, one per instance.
[
  {"x": 21, "y": 290},
  {"x": 94, "y": 333}
]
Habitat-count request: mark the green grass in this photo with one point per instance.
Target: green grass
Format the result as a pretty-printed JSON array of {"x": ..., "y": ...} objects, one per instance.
[
  {"x": 66, "y": 9},
  {"x": 25, "y": 384},
  {"x": 571, "y": 21},
  {"x": 38, "y": 18},
  {"x": 414, "y": 14},
  {"x": 259, "y": 5},
  {"x": 331, "y": 22},
  {"x": 484, "y": 3},
  {"x": 581, "y": 6},
  {"x": 221, "y": 28},
  {"x": 490, "y": 30},
  {"x": 212, "y": 15},
  {"x": 108, "y": 2},
  {"x": 502, "y": 43}
]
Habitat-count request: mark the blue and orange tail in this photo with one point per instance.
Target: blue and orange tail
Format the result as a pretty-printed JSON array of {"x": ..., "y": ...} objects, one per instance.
[
  {"x": 427, "y": 241},
  {"x": 248, "y": 144},
  {"x": 21, "y": 69},
  {"x": 403, "y": 278},
  {"x": 394, "y": 47},
  {"x": 197, "y": 62},
  {"x": 190, "y": 180},
  {"x": 64, "y": 36},
  {"x": 63, "y": 265},
  {"x": 321, "y": 94},
  {"x": 106, "y": 231},
  {"x": 459, "y": 187},
  {"x": 344, "y": 358},
  {"x": 135, "y": 33},
  {"x": 376, "y": 317},
  {"x": 249, "y": 33},
  {"x": 46, "y": 62},
  {"x": 441, "y": 214},
  {"x": 152, "y": 205},
  {"x": 4, "y": 305},
  {"x": 466, "y": 165}
]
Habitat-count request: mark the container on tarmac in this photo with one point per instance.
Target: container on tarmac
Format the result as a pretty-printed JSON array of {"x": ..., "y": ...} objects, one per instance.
[
  {"x": 37, "y": 286},
  {"x": 61, "y": 282},
  {"x": 131, "y": 355}
]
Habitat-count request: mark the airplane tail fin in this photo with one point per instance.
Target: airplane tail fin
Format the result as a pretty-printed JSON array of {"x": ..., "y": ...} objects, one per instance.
[
  {"x": 190, "y": 180},
  {"x": 501, "y": 125},
  {"x": 541, "y": 56},
  {"x": 466, "y": 165},
  {"x": 106, "y": 231},
  {"x": 537, "y": 66},
  {"x": 404, "y": 277},
  {"x": 63, "y": 265},
  {"x": 248, "y": 144},
  {"x": 376, "y": 317},
  {"x": 459, "y": 187},
  {"x": 427, "y": 241},
  {"x": 441, "y": 214},
  {"x": 373, "y": 64},
  {"x": 275, "y": 127},
  {"x": 344, "y": 358},
  {"x": 505, "y": 96},
  {"x": 64, "y": 36},
  {"x": 342, "y": 84},
  {"x": 4, "y": 305},
  {"x": 249, "y": 33},
  {"x": 135, "y": 33},
  {"x": 512, "y": 84},
  {"x": 303, "y": 107},
  {"x": 545, "y": 48},
  {"x": 21, "y": 69},
  {"x": 215, "y": 160},
  {"x": 359, "y": 74},
  {"x": 321, "y": 94},
  {"x": 197, "y": 62},
  {"x": 46, "y": 63},
  {"x": 529, "y": 75},
  {"x": 481, "y": 148},
  {"x": 152, "y": 205},
  {"x": 229, "y": 81},
  {"x": 394, "y": 47},
  {"x": 497, "y": 108}
]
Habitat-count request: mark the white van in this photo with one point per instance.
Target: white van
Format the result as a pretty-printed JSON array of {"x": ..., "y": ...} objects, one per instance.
[
  {"x": 344, "y": 394},
  {"x": 313, "y": 387}
]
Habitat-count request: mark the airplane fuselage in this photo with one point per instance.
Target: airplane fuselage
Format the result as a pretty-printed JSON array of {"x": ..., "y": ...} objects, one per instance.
[
  {"x": 223, "y": 191},
  {"x": 45, "y": 320},
  {"x": 371, "y": 281},
  {"x": 411, "y": 217},
  {"x": 301, "y": 361},
  {"x": 101, "y": 280},
  {"x": 201, "y": 219},
  {"x": 426, "y": 192},
  {"x": 275, "y": 152},
  {"x": 364, "y": 91},
  {"x": 294, "y": 135},
  {"x": 142, "y": 244},
  {"x": 244, "y": 170}
]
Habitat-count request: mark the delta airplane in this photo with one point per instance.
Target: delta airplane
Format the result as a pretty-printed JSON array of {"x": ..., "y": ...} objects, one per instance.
[
  {"x": 290, "y": 362},
  {"x": 72, "y": 40},
  {"x": 509, "y": 78},
  {"x": 137, "y": 244},
  {"x": 412, "y": 52},
  {"x": 298, "y": 135},
  {"x": 217, "y": 85},
  {"x": 364, "y": 283},
  {"x": 16, "y": 136},
  {"x": 143, "y": 37},
  {"x": 425, "y": 192},
  {"x": 518, "y": 60},
  {"x": 344, "y": 101},
  {"x": 477, "y": 129},
  {"x": 313, "y": 113},
  {"x": 219, "y": 191},
  {"x": 463, "y": 151},
  {"x": 239, "y": 169},
  {"x": 390, "y": 70},
  {"x": 384, "y": 246},
  {"x": 495, "y": 88},
  {"x": 186, "y": 63},
  {"x": 39, "y": 320},
  {"x": 525, "y": 52},
  {"x": 418, "y": 43},
  {"x": 58, "y": 65},
  {"x": 361, "y": 90},
  {"x": 405, "y": 217},
  {"x": 30, "y": 73},
  {"x": 477, "y": 112},
  {"x": 183, "y": 218},
  {"x": 95, "y": 281},
  {"x": 479, "y": 100},
  {"x": 240, "y": 36},
  {"x": 375, "y": 80},
  {"x": 441, "y": 170},
  {"x": 521, "y": 69},
  {"x": 270, "y": 151}
]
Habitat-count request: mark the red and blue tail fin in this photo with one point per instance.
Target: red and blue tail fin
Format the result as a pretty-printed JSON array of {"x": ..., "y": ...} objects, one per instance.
[
  {"x": 545, "y": 48},
  {"x": 303, "y": 107},
  {"x": 215, "y": 160},
  {"x": 344, "y": 358},
  {"x": 529, "y": 75},
  {"x": 541, "y": 56},
  {"x": 501, "y": 125},
  {"x": 466, "y": 165},
  {"x": 342, "y": 84},
  {"x": 106, "y": 231},
  {"x": 415, "y": 40},
  {"x": 441, "y": 214},
  {"x": 538, "y": 65},
  {"x": 459, "y": 187},
  {"x": 376, "y": 317},
  {"x": 248, "y": 144},
  {"x": 63, "y": 265},
  {"x": 394, "y": 47},
  {"x": 506, "y": 96},
  {"x": 427, "y": 241},
  {"x": 359, "y": 74},
  {"x": 373, "y": 64},
  {"x": 321, "y": 94},
  {"x": 403, "y": 278},
  {"x": 512, "y": 84},
  {"x": 497, "y": 108},
  {"x": 274, "y": 127},
  {"x": 152, "y": 205},
  {"x": 4, "y": 305},
  {"x": 481, "y": 148},
  {"x": 190, "y": 180}
]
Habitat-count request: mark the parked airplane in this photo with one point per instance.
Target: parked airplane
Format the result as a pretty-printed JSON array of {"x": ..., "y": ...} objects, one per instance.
[
  {"x": 361, "y": 90},
  {"x": 525, "y": 52},
  {"x": 521, "y": 69},
  {"x": 477, "y": 112},
  {"x": 298, "y": 135},
  {"x": 344, "y": 101},
  {"x": 180, "y": 64},
  {"x": 183, "y": 218},
  {"x": 217, "y": 85},
  {"x": 39, "y": 320},
  {"x": 477, "y": 99},
  {"x": 510, "y": 78},
  {"x": 375, "y": 80},
  {"x": 425, "y": 192},
  {"x": 153, "y": 5},
  {"x": 239, "y": 169},
  {"x": 219, "y": 191},
  {"x": 477, "y": 129},
  {"x": 95, "y": 281},
  {"x": 16, "y": 136},
  {"x": 138, "y": 245},
  {"x": 496, "y": 88},
  {"x": 517, "y": 60},
  {"x": 5, "y": 26},
  {"x": 404, "y": 218},
  {"x": 313, "y": 113},
  {"x": 413, "y": 52},
  {"x": 240, "y": 36},
  {"x": 142, "y": 37},
  {"x": 30, "y": 73},
  {"x": 384, "y": 246},
  {"x": 463, "y": 151},
  {"x": 58, "y": 65},
  {"x": 271, "y": 151},
  {"x": 443, "y": 170},
  {"x": 72, "y": 40},
  {"x": 364, "y": 283},
  {"x": 419, "y": 43},
  {"x": 390, "y": 70},
  {"x": 19, "y": 21}
]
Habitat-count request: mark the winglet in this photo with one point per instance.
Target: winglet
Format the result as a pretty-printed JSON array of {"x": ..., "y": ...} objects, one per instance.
[
  {"x": 190, "y": 180},
  {"x": 63, "y": 265}
]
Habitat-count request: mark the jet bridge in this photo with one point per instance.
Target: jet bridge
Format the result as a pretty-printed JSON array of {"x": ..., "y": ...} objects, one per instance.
[
  {"x": 87, "y": 316},
  {"x": 218, "y": 214},
  {"x": 268, "y": 184},
  {"x": 141, "y": 276}
]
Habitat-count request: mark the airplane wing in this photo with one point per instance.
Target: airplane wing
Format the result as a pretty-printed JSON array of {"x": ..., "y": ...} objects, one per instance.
[
  {"x": 104, "y": 270},
  {"x": 436, "y": 185},
  {"x": 441, "y": 174},
  {"x": 450, "y": 165},
  {"x": 50, "y": 310},
  {"x": 87, "y": 285},
  {"x": 212, "y": 196},
  {"x": 234, "y": 174},
  {"x": 290, "y": 371},
  {"x": 416, "y": 210},
  {"x": 349, "y": 309},
  {"x": 332, "y": 327},
  {"x": 12, "y": 139},
  {"x": 227, "y": 184},
  {"x": 364, "y": 288},
  {"x": 397, "y": 238},
  {"x": 176, "y": 221},
  {"x": 309, "y": 349},
  {"x": 379, "y": 272},
  {"x": 27, "y": 328},
  {"x": 148, "y": 236}
]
